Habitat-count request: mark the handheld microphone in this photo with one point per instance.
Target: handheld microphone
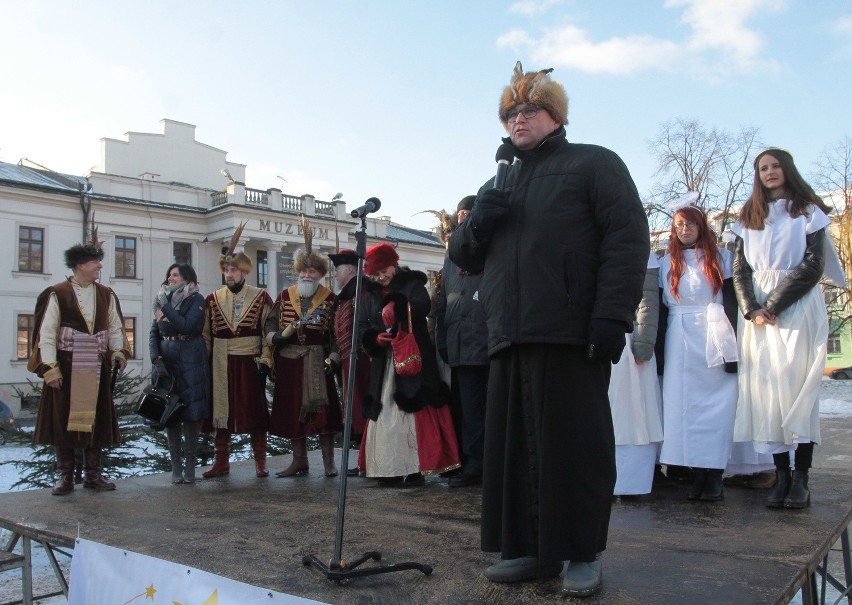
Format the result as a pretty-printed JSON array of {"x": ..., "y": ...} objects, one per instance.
[
  {"x": 371, "y": 205},
  {"x": 505, "y": 155}
]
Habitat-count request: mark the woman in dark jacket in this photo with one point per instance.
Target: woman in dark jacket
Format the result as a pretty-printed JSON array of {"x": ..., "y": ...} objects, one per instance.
[
  {"x": 179, "y": 356},
  {"x": 400, "y": 407}
]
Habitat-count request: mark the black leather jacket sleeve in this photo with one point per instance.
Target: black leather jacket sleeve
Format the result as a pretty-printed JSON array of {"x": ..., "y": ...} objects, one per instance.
[
  {"x": 804, "y": 277},
  {"x": 743, "y": 286}
]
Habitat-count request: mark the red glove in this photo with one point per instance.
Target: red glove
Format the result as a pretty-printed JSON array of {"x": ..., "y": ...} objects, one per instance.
[
  {"x": 388, "y": 315},
  {"x": 383, "y": 339}
]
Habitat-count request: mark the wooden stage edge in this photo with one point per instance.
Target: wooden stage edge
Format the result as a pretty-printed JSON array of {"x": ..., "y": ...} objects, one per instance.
[{"x": 662, "y": 549}]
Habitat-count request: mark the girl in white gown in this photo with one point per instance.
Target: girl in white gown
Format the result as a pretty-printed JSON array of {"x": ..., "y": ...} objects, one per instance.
[
  {"x": 634, "y": 396},
  {"x": 699, "y": 396},
  {"x": 782, "y": 251}
]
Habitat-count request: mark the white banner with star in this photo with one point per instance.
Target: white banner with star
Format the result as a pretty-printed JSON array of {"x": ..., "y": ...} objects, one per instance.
[{"x": 104, "y": 574}]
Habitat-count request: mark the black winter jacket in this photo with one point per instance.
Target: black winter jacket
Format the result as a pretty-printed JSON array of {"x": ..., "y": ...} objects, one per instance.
[
  {"x": 461, "y": 330},
  {"x": 411, "y": 393},
  {"x": 186, "y": 360},
  {"x": 573, "y": 246}
]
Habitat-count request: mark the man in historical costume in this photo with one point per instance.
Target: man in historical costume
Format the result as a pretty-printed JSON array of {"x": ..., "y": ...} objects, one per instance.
[
  {"x": 345, "y": 269},
  {"x": 564, "y": 244},
  {"x": 233, "y": 331},
  {"x": 299, "y": 331},
  {"x": 462, "y": 341},
  {"x": 78, "y": 340}
]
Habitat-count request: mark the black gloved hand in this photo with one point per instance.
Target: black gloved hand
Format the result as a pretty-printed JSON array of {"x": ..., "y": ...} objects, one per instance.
[
  {"x": 263, "y": 371},
  {"x": 330, "y": 366},
  {"x": 160, "y": 369},
  {"x": 489, "y": 208},
  {"x": 278, "y": 340},
  {"x": 606, "y": 340}
]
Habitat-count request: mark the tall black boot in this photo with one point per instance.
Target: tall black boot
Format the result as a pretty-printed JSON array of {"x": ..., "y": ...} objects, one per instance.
[
  {"x": 699, "y": 478},
  {"x": 779, "y": 492},
  {"x": 174, "y": 438},
  {"x": 799, "y": 495},
  {"x": 713, "y": 490}
]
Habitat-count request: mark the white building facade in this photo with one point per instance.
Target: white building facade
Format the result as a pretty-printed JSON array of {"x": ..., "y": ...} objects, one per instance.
[{"x": 157, "y": 199}]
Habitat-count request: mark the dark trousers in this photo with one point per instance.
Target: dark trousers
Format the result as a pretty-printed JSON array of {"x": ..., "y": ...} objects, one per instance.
[{"x": 473, "y": 392}]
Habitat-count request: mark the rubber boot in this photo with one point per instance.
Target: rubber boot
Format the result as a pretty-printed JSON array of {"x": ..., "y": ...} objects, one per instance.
[
  {"x": 190, "y": 438},
  {"x": 65, "y": 467},
  {"x": 173, "y": 437},
  {"x": 258, "y": 447},
  {"x": 299, "y": 465},
  {"x": 699, "y": 478},
  {"x": 92, "y": 478},
  {"x": 779, "y": 492},
  {"x": 713, "y": 490},
  {"x": 221, "y": 454},
  {"x": 799, "y": 495},
  {"x": 327, "y": 446}
]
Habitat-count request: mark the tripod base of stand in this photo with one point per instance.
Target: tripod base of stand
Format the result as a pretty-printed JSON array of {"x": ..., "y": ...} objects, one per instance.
[{"x": 345, "y": 570}]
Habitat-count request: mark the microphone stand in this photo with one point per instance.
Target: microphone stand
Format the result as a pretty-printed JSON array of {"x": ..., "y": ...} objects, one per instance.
[{"x": 338, "y": 569}]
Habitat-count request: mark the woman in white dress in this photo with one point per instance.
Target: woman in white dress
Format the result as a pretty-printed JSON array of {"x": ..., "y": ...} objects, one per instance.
[
  {"x": 782, "y": 250},
  {"x": 699, "y": 395},
  {"x": 634, "y": 396}
]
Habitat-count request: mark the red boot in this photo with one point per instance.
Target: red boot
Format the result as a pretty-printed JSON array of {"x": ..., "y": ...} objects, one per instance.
[
  {"x": 258, "y": 446},
  {"x": 221, "y": 454}
]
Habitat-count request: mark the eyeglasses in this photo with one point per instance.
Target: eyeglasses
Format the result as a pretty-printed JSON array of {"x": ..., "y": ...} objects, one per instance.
[
  {"x": 528, "y": 112},
  {"x": 684, "y": 225}
]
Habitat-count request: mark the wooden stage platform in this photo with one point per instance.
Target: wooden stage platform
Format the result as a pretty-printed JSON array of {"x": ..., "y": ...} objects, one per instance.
[{"x": 662, "y": 549}]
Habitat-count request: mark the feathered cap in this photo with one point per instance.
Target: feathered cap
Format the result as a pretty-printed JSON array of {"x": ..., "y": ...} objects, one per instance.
[
  {"x": 239, "y": 260},
  {"x": 448, "y": 222},
  {"x": 535, "y": 88},
  {"x": 83, "y": 253},
  {"x": 379, "y": 257},
  {"x": 306, "y": 257}
]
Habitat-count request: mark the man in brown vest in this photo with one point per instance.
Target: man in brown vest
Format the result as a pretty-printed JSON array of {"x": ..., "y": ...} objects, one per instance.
[{"x": 79, "y": 338}]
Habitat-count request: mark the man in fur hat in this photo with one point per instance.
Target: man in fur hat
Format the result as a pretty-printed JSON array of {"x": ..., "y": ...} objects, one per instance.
[
  {"x": 79, "y": 338},
  {"x": 462, "y": 341},
  {"x": 299, "y": 331},
  {"x": 345, "y": 269},
  {"x": 564, "y": 245},
  {"x": 233, "y": 331}
]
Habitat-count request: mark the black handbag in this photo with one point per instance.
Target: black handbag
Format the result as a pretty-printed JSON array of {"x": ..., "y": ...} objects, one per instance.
[{"x": 159, "y": 405}]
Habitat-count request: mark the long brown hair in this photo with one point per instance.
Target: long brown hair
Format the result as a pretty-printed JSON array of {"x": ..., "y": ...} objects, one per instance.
[
  {"x": 798, "y": 193},
  {"x": 706, "y": 243}
]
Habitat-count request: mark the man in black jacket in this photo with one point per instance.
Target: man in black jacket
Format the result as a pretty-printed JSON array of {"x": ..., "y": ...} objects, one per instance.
[
  {"x": 563, "y": 248},
  {"x": 462, "y": 341}
]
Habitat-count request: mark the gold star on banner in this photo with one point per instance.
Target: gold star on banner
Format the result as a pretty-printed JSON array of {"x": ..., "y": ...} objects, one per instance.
[
  {"x": 149, "y": 592},
  {"x": 213, "y": 599}
]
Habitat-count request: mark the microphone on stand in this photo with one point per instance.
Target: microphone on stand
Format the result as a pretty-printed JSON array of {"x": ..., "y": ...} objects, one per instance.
[
  {"x": 505, "y": 155},
  {"x": 371, "y": 205}
]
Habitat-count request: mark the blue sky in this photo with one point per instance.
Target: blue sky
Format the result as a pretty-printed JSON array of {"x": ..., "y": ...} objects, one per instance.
[{"x": 398, "y": 99}]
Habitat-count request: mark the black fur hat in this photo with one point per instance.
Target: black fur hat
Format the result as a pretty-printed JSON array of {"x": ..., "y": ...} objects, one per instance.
[{"x": 82, "y": 253}]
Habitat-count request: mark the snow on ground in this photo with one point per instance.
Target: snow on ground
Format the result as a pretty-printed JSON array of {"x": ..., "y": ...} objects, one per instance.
[{"x": 835, "y": 402}]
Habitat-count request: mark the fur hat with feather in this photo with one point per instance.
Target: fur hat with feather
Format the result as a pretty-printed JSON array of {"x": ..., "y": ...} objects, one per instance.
[
  {"x": 88, "y": 251},
  {"x": 240, "y": 260},
  {"x": 306, "y": 257},
  {"x": 534, "y": 88}
]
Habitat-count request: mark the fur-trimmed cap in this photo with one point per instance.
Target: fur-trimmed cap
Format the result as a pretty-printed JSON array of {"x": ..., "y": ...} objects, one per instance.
[
  {"x": 306, "y": 257},
  {"x": 535, "y": 88},
  {"x": 239, "y": 260},
  {"x": 82, "y": 253},
  {"x": 379, "y": 257}
]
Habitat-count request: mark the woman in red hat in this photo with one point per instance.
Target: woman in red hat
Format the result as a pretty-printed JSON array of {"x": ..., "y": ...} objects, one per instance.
[{"x": 401, "y": 407}]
